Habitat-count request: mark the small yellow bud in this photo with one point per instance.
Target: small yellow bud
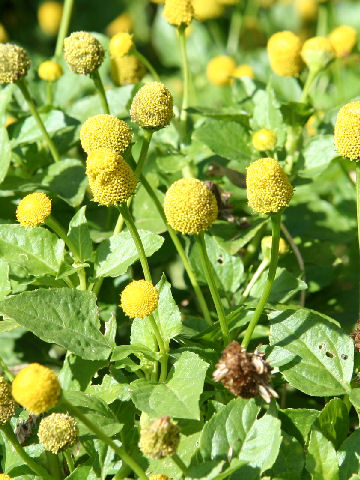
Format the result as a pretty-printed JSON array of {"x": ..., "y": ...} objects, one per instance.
[
  {"x": 4, "y": 477},
  {"x": 36, "y": 388},
  {"x": 50, "y": 71},
  {"x": 4, "y": 37},
  {"x": 284, "y": 54},
  {"x": 190, "y": 206},
  {"x": 343, "y": 39},
  {"x": 178, "y": 12},
  {"x": 58, "y": 432},
  {"x": 33, "y": 209},
  {"x": 127, "y": 70},
  {"x": 7, "y": 404},
  {"x": 14, "y": 63},
  {"x": 152, "y": 106},
  {"x": 120, "y": 44},
  {"x": 105, "y": 131},
  {"x": 160, "y": 438},
  {"x": 307, "y": 9},
  {"x": 83, "y": 52},
  {"x": 139, "y": 299},
  {"x": 268, "y": 188},
  {"x": 122, "y": 23},
  {"x": 317, "y": 52},
  {"x": 207, "y": 9},
  {"x": 243, "y": 71},
  {"x": 49, "y": 16},
  {"x": 220, "y": 70},
  {"x": 347, "y": 131},
  {"x": 264, "y": 139},
  {"x": 9, "y": 120},
  {"x": 266, "y": 243}
]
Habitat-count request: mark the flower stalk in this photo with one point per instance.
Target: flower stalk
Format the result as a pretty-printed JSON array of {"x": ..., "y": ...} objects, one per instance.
[{"x": 95, "y": 75}]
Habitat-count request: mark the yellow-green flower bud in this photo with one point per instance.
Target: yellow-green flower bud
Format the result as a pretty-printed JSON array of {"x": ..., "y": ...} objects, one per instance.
[
  {"x": 7, "y": 404},
  {"x": 57, "y": 432},
  {"x": 49, "y": 17},
  {"x": 343, "y": 39},
  {"x": 14, "y": 63},
  {"x": 243, "y": 71},
  {"x": 127, "y": 70},
  {"x": 307, "y": 9},
  {"x": 264, "y": 139},
  {"x": 120, "y": 44},
  {"x": 266, "y": 243},
  {"x": 160, "y": 438},
  {"x": 139, "y": 299},
  {"x": 317, "y": 52},
  {"x": 83, "y": 52},
  {"x": 152, "y": 106},
  {"x": 4, "y": 37},
  {"x": 347, "y": 131},
  {"x": 220, "y": 70},
  {"x": 284, "y": 54},
  {"x": 122, "y": 23},
  {"x": 207, "y": 9},
  {"x": 178, "y": 12},
  {"x": 50, "y": 71},
  {"x": 33, "y": 209}
]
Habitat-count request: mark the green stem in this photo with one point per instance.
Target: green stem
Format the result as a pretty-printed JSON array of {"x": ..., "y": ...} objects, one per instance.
[
  {"x": 24, "y": 90},
  {"x": 275, "y": 222},
  {"x": 358, "y": 207},
  {"x": 234, "y": 31},
  {"x": 322, "y": 23},
  {"x": 54, "y": 466},
  {"x": 69, "y": 460},
  {"x": 146, "y": 62},
  {"x": 178, "y": 462},
  {"x": 6, "y": 370},
  {"x": 64, "y": 26},
  {"x": 186, "y": 75},
  {"x": 207, "y": 267},
  {"x": 34, "y": 466},
  {"x": 162, "y": 347},
  {"x": 309, "y": 81},
  {"x": 263, "y": 265},
  {"x": 102, "y": 436},
  {"x": 49, "y": 93},
  {"x": 100, "y": 89}
]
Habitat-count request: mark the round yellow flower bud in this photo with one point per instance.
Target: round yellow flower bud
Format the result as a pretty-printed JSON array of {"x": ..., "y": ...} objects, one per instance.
[
  {"x": 190, "y": 206},
  {"x": 347, "y": 131},
  {"x": 105, "y": 131},
  {"x": 7, "y": 404},
  {"x": 4, "y": 477},
  {"x": 266, "y": 243},
  {"x": 9, "y": 120},
  {"x": 159, "y": 438},
  {"x": 152, "y": 106},
  {"x": 178, "y": 12},
  {"x": 317, "y": 52},
  {"x": 36, "y": 388},
  {"x": 207, "y": 9},
  {"x": 284, "y": 54},
  {"x": 122, "y": 23},
  {"x": 58, "y": 432},
  {"x": 83, "y": 52},
  {"x": 243, "y": 71},
  {"x": 49, "y": 16},
  {"x": 139, "y": 299},
  {"x": 50, "y": 71},
  {"x": 4, "y": 37},
  {"x": 33, "y": 209},
  {"x": 120, "y": 44},
  {"x": 14, "y": 63},
  {"x": 264, "y": 139},
  {"x": 127, "y": 70},
  {"x": 343, "y": 39},
  {"x": 307, "y": 9},
  {"x": 220, "y": 70},
  {"x": 268, "y": 188}
]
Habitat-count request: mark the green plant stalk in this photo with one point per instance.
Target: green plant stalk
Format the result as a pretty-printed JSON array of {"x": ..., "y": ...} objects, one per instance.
[
  {"x": 179, "y": 463},
  {"x": 49, "y": 94},
  {"x": 146, "y": 62},
  {"x": 263, "y": 265},
  {"x": 322, "y": 23},
  {"x": 102, "y": 436},
  {"x": 186, "y": 75},
  {"x": 275, "y": 223},
  {"x": 162, "y": 347},
  {"x": 100, "y": 89},
  {"x": 234, "y": 31},
  {"x": 6, "y": 370},
  {"x": 54, "y": 466},
  {"x": 69, "y": 460},
  {"x": 309, "y": 81},
  {"x": 34, "y": 466},
  {"x": 207, "y": 267},
  {"x": 24, "y": 90},
  {"x": 64, "y": 26},
  {"x": 358, "y": 209}
]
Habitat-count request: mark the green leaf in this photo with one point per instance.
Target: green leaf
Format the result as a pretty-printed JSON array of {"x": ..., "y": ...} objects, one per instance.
[
  {"x": 5, "y": 287},
  {"x": 7, "y": 326},
  {"x": 109, "y": 390},
  {"x": 290, "y": 461},
  {"x": 349, "y": 456},
  {"x": 267, "y": 114},
  {"x": 115, "y": 255},
  {"x": 5, "y": 149},
  {"x": 298, "y": 422},
  {"x": 76, "y": 373},
  {"x": 79, "y": 234},
  {"x": 145, "y": 213},
  {"x": 315, "y": 164},
  {"x": 333, "y": 422},
  {"x": 60, "y": 315},
  {"x": 326, "y": 352},
  {"x": 167, "y": 313},
  {"x": 321, "y": 460},
  {"x": 36, "y": 249}
]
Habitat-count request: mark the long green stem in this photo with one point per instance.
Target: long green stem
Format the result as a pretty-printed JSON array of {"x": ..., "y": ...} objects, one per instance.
[
  {"x": 309, "y": 81},
  {"x": 275, "y": 222},
  {"x": 102, "y": 436},
  {"x": 186, "y": 75},
  {"x": 69, "y": 460},
  {"x": 208, "y": 271},
  {"x": 54, "y": 466},
  {"x": 162, "y": 347},
  {"x": 177, "y": 460},
  {"x": 263, "y": 265},
  {"x": 64, "y": 26},
  {"x": 322, "y": 23},
  {"x": 101, "y": 91},
  {"x": 34, "y": 466},
  {"x": 24, "y": 90},
  {"x": 234, "y": 31},
  {"x": 358, "y": 208},
  {"x": 49, "y": 94},
  {"x": 6, "y": 370},
  {"x": 147, "y": 64}
]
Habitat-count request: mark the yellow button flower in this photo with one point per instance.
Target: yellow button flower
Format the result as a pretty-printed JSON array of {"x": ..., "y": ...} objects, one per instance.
[
  {"x": 122, "y": 23},
  {"x": 243, "y": 71},
  {"x": 83, "y": 52},
  {"x": 207, "y": 9},
  {"x": 220, "y": 70},
  {"x": 343, "y": 39},
  {"x": 178, "y": 12},
  {"x": 347, "y": 131},
  {"x": 264, "y": 139},
  {"x": 317, "y": 52},
  {"x": 49, "y": 17},
  {"x": 152, "y": 106},
  {"x": 139, "y": 299},
  {"x": 284, "y": 54},
  {"x": 50, "y": 71},
  {"x": 127, "y": 70},
  {"x": 33, "y": 209},
  {"x": 14, "y": 63},
  {"x": 120, "y": 44},
  {"x": 57, "y": 432}
]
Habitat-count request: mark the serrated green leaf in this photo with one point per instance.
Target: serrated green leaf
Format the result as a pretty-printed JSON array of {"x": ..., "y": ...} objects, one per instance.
[
  {"x": 297, "y": 422},
  {"x": 79, "y": 234},
  {"x": 321, "y": 460},
  {"x": 315, "y": 164},
  {"x": 5, "y": 287},
  {"x": 167, "y": 314},
  {"x": 333, "y": 421},
  {"x": 349, "y": 456}
]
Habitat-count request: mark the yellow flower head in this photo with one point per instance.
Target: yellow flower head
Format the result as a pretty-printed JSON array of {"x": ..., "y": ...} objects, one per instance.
[
  {"x": 347, "y": 131},
  {"x": 220, "y": 70},
  {"x": 9, "y": 120},
  {"x": 4, "y": 477},
  {"x": 264, "y": 139},
  {"x": 33, "y": 209},
  {"x": 57, "y": 432},
  {"x": 243, "y": 71},
  {"x": 120, "y": 44},
  {"x": 156, "y": 477},
  {"x": 343, "y": 39},
  {"x": 4, "y": 37},
  {"x": 105, "y": 131},
  {"x": 152, "y": 106},
  {"x": 159, "y": 438},
  {"x": 49, "y": 16},
  {"x": 83, "y": 52},
  {"x": 122, "y": 23},
  {"x": 139, "y": 299},
  {"x": 14, "y": 63},
  {"x": 127, "y": 70},
  {"x": 307, "y": 9},
  {"x": 36, "y": 388},
  {"x": 268, "y": 188},
  {"x": 207, "y": 9},
  {"x": 266, "y": 243},
  {"x": 111, "y": 179},
  {"x": 178, "y": 12},
  {"x": 190, "y": 206},
  {"x": 284, "y": 54},
  {"x": 50, "y": 71},
  {"x": 317, "y": 52},
  {"x": 7, "y": 404}
]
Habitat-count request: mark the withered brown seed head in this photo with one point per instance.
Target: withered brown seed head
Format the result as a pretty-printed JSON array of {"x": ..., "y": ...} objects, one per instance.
[{"x": 356, "y": 336}]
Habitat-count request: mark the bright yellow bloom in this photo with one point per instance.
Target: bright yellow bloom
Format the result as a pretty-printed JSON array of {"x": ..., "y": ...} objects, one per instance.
[
  {"x": 139, "y": 299},
  {"x": 264, "y": 139},
  {"x": 207, "y": 9},
  {"x": 343, "y": 40},
  {"x": 9, "y": 120},
  {"x": 4, "y": 37},
  {"x": 307, "y": 9},
  {"x": 36, "y": 388},
  {"x": 284, "y": 54},
  {"x": 152, "y": 106},
  {"x": 7, "y": 404},
  {"x": 50, "y": 71},
  {"x": 120, "y": 44},
  {"x": 127, "y": 70},
  {"x": 14, "y": 63},
  {"x": 33, "y": 209},
  {"x": 220, "y": 70},
  {"x": 4, "y": 477},
  {"x": 57, "y": 432},
  {"x": 178, "y": 12},
  {"x": 268, "y": 188},
  {"x": 122, "y": 23},
  {"x": 347, "y": 131},
  {"x": 83, "y": 52},
  {"x": 317, "y": 52},
  {"x": 266, "y": 243},
  {"x": 105, "y": 131},
  {"x": 190, "y": 206},
  {"x": 243, "y": 71},
  {"x": 49, "y": 16},
  {"x": 159, "y": 438}
]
